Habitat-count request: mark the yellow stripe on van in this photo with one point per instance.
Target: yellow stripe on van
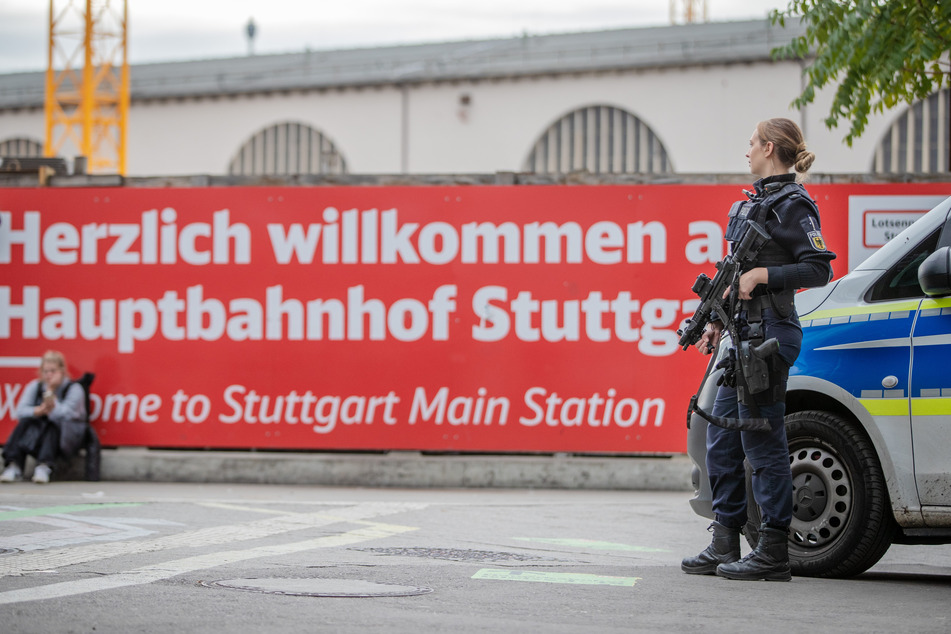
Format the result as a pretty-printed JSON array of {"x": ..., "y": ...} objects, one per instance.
[
  {"x": 890, "y": 307},
  {"x": 931, "y": 407},
  {"x": 886, "y": 406},
  {"x": 943, "y": 302}
]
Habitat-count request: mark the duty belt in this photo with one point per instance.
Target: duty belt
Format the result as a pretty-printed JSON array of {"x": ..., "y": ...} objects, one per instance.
[{"x": 782, "y": 303}]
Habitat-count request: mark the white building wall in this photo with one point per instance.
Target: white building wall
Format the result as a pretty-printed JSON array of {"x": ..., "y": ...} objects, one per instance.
[
  {"x": 702, "y": 115},
  {"x": 832, "y": 153},
  {"x": 25, "y": 125},
  {"x": 204, "y": 136}
]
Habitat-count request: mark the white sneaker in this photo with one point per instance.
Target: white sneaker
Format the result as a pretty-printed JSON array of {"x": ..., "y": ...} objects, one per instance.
[
  {"x": 41, "y": 475},
  {"x": 11, "y": 474}
]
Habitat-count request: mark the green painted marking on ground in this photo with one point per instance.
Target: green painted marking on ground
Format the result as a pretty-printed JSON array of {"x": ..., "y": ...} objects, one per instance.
[
  {"x": 590, "y": 543},
  {"x": 576, "y": 578},
  {"x": 57, "y": 510}
]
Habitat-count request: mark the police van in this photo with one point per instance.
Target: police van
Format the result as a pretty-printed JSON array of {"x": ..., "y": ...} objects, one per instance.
[{"x": 868, "y": 409}]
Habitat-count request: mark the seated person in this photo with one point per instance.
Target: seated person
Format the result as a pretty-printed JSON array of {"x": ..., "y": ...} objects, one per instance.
[{"x": 51, "y": 420}]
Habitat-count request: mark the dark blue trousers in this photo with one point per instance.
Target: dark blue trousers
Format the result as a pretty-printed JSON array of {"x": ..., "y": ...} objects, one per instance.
[
  {"x": 37, "y": 437},
  {"x": 768, "y": 454}
]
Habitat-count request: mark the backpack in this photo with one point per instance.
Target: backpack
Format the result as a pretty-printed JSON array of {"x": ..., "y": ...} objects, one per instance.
[{"x": 91, "y": 439}]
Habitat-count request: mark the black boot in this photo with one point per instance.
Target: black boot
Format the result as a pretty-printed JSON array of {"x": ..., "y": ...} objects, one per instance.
[
  {"x": 724, "y": 549},
  {"x": 769, "y": 560}
]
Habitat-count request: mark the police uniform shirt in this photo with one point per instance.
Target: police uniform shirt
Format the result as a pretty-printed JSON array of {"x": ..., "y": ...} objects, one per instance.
[{"x": 793, "y": 224}]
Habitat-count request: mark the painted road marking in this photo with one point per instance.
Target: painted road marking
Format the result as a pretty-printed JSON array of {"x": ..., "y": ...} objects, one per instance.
[
  {"x": 590, "y": 543},
  {"x": 158, "y": 572},
  {"x": 252, "y": 509},
  {"x": 70, "y": 530},
  {"x": 555, "y": 577},
  {"x": 240, "y": 507},
  {"x": 15, "y": 565},
  {"x": 58, "y": 510}
]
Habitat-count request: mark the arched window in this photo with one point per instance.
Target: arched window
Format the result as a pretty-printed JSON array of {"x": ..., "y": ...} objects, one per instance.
[
  {"x": 21, "y": 147},
  {"x": 601, "y": 140},
  {"x": 918, "y": 141},
  {"x": 288, "y": 148}
]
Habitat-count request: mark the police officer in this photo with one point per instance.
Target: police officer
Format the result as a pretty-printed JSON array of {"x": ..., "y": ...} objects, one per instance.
[{"x": 795, "y": 257}]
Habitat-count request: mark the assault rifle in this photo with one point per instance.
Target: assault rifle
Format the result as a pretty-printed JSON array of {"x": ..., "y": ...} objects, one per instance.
[
  {"x": 712, "y": 292},
  {"x": 715, "y": 300}
]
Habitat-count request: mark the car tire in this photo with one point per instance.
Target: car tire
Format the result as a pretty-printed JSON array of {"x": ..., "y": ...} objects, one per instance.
[{"x": 842, "y": 521}]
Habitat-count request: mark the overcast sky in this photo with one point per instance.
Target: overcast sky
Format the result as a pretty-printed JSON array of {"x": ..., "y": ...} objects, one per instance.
[{"x": 166, "y": 30}]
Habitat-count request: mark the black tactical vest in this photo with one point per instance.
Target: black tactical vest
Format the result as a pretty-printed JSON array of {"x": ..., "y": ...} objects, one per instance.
[{"x": 774, "y": 199}]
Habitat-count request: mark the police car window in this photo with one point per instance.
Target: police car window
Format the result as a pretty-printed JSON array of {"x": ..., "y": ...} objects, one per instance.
[
  {"x": 945, "y": 240},
  {"x": 901, "y": 281}
]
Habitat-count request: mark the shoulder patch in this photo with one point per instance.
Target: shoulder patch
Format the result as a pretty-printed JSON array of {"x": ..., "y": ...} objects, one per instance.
[{"x": 813, "y": 233}]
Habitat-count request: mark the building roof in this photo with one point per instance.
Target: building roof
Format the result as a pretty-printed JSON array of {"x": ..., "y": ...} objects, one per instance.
[{"x": 595, "y": 51}]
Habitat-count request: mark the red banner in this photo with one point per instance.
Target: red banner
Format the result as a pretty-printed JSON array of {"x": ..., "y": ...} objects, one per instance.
[{"x": 508, "y": 318}]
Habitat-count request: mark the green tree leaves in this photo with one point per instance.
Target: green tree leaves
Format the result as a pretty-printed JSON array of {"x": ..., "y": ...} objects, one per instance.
[{"x": 879, "y": 53}]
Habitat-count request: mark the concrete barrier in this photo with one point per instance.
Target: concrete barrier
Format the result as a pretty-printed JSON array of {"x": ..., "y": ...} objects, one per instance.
[{"x": 392, "y": 469}]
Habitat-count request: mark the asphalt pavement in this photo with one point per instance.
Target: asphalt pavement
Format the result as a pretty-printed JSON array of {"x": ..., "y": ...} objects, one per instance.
[{"x": 205, "y": 557}]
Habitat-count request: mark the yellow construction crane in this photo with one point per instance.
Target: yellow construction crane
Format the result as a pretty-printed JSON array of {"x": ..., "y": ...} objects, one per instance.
[
  {"x": 688, "y": 11},
  {"x": 87, "y": 83}
]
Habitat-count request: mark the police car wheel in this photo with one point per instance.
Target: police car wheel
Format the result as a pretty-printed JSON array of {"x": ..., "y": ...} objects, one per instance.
[{"x": 842, "y": 522}]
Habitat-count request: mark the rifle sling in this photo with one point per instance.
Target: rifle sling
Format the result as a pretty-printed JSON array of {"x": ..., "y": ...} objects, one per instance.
[
  {"x": 741, "y": 424},
  {"x": 757, "y": 423}
]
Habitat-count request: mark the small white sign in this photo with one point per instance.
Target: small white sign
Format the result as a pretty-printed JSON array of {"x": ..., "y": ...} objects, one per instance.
[
  {"x": 874, "y": 220},
  {"x": 882, "y": 226}
]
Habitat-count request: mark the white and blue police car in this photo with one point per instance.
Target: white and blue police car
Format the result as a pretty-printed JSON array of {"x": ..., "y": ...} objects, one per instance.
[{"x": 868, "y": 409}]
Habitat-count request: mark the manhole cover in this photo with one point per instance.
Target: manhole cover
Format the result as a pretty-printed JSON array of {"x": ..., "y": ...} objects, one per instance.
[
  {"x": 319, "y": 587},
  {"x": 453, "y": 554}
]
